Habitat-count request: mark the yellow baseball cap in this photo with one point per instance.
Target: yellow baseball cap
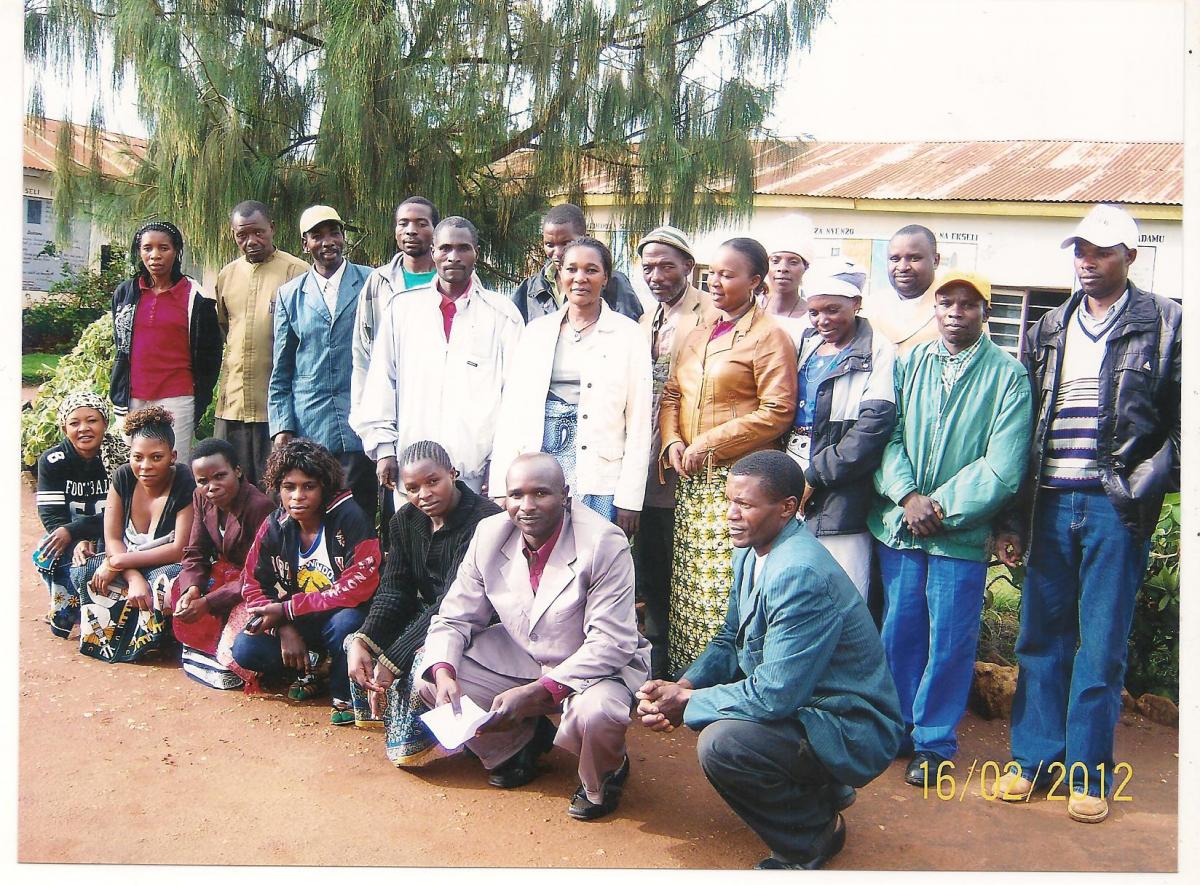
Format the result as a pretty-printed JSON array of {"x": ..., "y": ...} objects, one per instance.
[
  {"x": 974, "y": 280},
  {"x": 314, "y": 215}
]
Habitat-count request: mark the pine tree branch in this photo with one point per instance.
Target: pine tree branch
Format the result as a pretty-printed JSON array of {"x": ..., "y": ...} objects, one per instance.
[{"x": 237, "y": 11}]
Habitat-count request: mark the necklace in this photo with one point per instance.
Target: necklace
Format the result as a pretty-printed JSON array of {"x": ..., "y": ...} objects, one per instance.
[{"x": 578, "y": 333}]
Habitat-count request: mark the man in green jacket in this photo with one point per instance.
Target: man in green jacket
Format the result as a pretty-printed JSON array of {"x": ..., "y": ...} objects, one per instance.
[{"x": 956, "y": 457}]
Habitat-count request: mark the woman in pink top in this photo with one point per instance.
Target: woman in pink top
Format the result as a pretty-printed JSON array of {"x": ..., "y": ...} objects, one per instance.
[{"x": 168, "y": 343}]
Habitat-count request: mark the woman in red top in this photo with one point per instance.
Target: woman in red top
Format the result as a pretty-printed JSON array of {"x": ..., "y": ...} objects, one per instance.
[{"x": 168, "y": 344}]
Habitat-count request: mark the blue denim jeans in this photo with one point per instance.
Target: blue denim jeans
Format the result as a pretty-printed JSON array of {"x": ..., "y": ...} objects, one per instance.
[
  {"x": 1085, "y": 570},
  {"x": 323, "y": 631},
  {"x": 930, "y": 630}
]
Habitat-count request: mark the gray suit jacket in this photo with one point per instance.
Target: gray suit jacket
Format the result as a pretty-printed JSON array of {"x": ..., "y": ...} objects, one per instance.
[{"x": 578, "y": 628}]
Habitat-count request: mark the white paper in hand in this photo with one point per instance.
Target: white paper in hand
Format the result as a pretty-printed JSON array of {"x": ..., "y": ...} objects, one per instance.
[{"x": 453, "y": 731}]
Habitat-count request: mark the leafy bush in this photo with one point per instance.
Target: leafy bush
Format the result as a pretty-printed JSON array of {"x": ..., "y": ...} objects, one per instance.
[
  {"x": 1154, "y": 639},
  {"x": 87, "y": 367},
  {"x": 74, "y": 302}
]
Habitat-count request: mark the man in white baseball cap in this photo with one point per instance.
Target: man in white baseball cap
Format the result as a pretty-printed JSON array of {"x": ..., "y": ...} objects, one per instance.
[
  {"x": 309, "y": 391},
  {"x": 1105, "y": 367},
  {"x": 791, "y": 250}
]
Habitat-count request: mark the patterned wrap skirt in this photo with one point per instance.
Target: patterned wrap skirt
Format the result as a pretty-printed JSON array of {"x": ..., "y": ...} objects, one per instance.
[
  {"x": 64, "y": 598},
  {"x": 558, "y": 439},
  {"x": 113, "y": 632},
  {"x": 702, "y": 566},
  {"x": 408, "y": 741}
]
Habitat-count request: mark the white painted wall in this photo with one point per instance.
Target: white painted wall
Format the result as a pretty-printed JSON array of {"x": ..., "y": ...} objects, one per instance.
[{"x": 1009, "y": 251}]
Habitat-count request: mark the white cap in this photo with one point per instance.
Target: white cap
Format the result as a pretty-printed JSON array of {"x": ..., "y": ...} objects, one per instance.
[
  {"x": 834, "y": 276},
  {"x": 314, "y": 215},
  {"x": 1106, "y": 225},
  {"x": 792, "y": 233}
]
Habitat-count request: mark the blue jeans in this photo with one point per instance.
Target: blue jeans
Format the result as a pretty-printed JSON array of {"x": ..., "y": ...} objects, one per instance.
[
  {"x": 930, "y": 630},
  {"x": 320, "y": 630},
  {"x": 1085, "y": 570}
]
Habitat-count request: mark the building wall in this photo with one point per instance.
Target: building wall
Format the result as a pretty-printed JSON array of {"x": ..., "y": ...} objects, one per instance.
[
  {"x": 1019, "y": 251},
  {"x": 39, "y": 271}
]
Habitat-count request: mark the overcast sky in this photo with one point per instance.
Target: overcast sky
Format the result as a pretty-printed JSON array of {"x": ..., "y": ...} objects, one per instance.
[{"x": 887, "y": 70}]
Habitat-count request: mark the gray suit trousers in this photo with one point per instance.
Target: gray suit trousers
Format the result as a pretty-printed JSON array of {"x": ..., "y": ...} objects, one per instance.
[{"x": 769, "y": 776}]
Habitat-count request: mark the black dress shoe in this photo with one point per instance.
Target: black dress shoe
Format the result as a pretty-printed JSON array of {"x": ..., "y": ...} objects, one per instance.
[
  {"x": 831, "y": 842},
  {"x": 521, "y": 767},
  {"x": 915, "y": 774},
  {"x": 583, "y": 808}
]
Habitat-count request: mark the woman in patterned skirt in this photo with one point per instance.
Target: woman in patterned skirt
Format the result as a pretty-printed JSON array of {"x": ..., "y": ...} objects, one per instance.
[
  {"x": 72, "y": 488},
  {"x": 732, "y": 392}
]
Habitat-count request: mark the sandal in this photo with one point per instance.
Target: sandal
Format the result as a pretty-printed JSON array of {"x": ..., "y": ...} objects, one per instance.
[{"x": 341, "y": 713}]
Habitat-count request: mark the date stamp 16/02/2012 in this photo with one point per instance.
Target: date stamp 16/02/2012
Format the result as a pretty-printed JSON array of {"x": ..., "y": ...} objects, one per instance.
[{"x": 952, "y": 783}]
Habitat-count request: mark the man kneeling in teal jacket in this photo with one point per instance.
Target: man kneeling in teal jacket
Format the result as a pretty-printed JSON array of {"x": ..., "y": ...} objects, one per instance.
[{"x": 793, "y": 698}]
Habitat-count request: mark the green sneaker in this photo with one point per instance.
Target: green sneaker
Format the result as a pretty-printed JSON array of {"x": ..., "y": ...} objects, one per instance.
[{"x": 341, "y": 713}]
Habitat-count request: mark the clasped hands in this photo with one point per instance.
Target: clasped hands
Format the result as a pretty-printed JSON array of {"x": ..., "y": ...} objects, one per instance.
[{"x": 661, "y": 703}]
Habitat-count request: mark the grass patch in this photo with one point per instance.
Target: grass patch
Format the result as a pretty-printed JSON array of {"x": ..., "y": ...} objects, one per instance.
[{"x": 37, "y": 368}]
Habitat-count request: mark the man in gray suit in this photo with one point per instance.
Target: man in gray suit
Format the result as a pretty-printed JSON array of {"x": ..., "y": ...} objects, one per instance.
[
  {"x": 793, "y": 698},
  {"x": 559, "y": 580}
]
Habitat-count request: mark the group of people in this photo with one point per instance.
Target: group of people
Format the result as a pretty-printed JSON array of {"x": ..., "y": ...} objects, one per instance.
[{"x": 748, "y": 465}]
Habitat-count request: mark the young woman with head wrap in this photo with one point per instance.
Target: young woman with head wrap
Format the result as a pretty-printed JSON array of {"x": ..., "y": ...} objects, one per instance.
[{"x": 72, "y": 486}]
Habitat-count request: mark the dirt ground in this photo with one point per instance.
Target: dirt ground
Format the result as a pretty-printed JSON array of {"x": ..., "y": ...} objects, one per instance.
[{"x": 179, "y": 773}]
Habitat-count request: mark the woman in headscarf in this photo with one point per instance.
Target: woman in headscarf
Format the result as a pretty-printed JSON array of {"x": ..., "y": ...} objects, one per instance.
[
  {"x": 72, "y": 486},
  {"x": 168, "y": 343},
  {"x": 731, "y": 392}
]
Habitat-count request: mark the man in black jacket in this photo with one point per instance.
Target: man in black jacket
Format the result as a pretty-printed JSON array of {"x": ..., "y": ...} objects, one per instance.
[
  {"x": 538, "y": 295},
  {"x": 1106, "y": 373}
]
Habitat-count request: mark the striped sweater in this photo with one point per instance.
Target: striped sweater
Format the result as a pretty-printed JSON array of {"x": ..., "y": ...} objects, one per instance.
[{"x": 1070, "y": 461}]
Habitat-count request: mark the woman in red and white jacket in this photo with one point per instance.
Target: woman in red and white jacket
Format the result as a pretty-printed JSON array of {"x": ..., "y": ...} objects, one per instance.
[{"x": 310, "y": 573}]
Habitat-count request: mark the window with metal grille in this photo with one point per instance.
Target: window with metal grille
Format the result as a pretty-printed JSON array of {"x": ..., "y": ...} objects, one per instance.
[{"x": 33, "y": 210}]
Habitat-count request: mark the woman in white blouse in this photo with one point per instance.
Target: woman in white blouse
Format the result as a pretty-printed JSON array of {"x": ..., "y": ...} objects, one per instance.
[{"x": 580, "y": 391}]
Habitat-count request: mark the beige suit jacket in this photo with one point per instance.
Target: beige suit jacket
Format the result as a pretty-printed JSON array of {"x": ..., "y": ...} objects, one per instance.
[{"x": 578, "y": 628}]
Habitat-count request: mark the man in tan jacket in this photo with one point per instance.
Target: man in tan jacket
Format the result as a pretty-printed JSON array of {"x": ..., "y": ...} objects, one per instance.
[
  {"x": 667, "y": 263},
  {"x": 558, "y": 582},
  {"x": 245, "y": 298}
]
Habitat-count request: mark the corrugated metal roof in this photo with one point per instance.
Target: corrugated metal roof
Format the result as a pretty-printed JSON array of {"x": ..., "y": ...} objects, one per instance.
[
  {"x": 118, "y": 153},
  {"x": 1024, "y": 171}
]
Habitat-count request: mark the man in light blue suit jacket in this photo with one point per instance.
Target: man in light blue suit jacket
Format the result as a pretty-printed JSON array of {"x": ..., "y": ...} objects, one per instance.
[
  {"x": 793, "y": 698},
  {"x": 309, "y": 391}
]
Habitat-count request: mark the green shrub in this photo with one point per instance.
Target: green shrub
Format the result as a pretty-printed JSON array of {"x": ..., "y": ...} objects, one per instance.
[
  {"x": 87, "y": 367},
  {"x": 74, "y": 302},
  {"x": 1154, "y": 638}
]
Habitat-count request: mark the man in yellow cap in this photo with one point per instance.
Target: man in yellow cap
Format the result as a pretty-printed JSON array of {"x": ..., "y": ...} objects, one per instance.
[
  {"x": 956, "y": 457},
  {"x": 309, "y": 391}
]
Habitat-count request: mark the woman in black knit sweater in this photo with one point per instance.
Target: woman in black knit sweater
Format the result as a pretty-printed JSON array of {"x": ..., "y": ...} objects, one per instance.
[{"x": 427, "y": 539}]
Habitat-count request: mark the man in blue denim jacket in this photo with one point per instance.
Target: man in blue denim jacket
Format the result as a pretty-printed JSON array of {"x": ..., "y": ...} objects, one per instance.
[
  {"x": 309, "y": 392},
  {"x": 793, "y": 698}
]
